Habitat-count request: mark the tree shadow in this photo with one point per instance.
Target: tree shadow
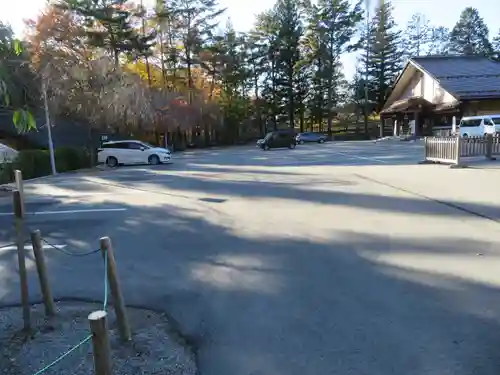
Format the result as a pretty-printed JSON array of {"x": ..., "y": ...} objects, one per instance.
[
  {"x": 288, "y": 305},
  {"x": 339, "y": 190}
]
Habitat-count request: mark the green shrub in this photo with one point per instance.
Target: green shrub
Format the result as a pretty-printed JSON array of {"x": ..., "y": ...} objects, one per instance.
[
  {"x": 6, "y": 173},
  {"x": 70, "y": 159},
  {"x": 36, "y": 163},
  {"x": 33, "y": 163}
]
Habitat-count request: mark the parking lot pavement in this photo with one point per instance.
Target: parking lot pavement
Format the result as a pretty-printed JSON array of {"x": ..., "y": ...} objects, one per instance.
[{"x": 311, "y": 260}]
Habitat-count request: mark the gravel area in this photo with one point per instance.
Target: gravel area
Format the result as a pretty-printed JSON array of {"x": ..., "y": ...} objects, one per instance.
[{"x": 156, "y": 349}]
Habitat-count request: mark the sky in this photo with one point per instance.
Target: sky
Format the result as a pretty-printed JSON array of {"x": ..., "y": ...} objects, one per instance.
[{"x": 242, "y": 14}]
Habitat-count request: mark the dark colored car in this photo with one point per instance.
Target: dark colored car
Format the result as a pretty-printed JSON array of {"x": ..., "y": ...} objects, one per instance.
[
  {"x": 310, "y": 137},
  {"x": 277, "y": 139}
]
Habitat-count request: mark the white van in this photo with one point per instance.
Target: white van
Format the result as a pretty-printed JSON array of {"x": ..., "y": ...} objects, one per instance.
[
  {"x": 496, "y": 120},
  {"x": 476, "y": 126}
]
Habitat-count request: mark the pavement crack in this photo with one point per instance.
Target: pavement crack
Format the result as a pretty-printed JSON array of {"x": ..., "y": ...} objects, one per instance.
[{"x": 439, "y": 201}]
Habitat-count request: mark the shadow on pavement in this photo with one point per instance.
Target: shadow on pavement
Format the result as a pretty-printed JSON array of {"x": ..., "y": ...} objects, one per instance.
[
  {"x": 287, "y": 305},
  {"x": 331, "y": 191}
]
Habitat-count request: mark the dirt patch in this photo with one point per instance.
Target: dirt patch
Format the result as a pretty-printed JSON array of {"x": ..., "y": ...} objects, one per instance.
[{"x": 156, "y": 349}]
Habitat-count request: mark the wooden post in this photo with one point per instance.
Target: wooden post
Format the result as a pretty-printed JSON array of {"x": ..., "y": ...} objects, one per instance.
[
  {"x": 48, "y": 301},
  {"x": 100, "y": 343},
  {"x": 114, "y": 286},
  {"x": 18, "y": 175},
  {"x": 489, "y": 147},
  {"x": 458, "y": 141},
  {"x": 426, "y": 148},
  {"x": 23, "y": 278}
]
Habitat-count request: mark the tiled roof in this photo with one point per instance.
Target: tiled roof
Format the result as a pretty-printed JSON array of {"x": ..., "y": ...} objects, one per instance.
[{"x": 466, "y": 77}]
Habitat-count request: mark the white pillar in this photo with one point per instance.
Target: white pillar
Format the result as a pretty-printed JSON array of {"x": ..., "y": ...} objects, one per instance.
[
  {"x": 454, "y": 125},
  {"x": 395, "y": 133}
]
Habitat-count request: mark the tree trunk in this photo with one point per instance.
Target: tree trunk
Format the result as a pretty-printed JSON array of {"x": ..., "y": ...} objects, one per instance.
[
  {"x": 291, "y": 103},
  {"x": 91, "y": 148},
  {"x": 329, "y": 104},
  {"x": 162, "y": 54},
  {"x": 257, "y": 102},
  {"x": 301, "y": 120}
]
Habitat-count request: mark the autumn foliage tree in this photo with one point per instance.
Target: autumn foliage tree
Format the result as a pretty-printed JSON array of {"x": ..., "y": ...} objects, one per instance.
[{"x": 82, "y": 81}]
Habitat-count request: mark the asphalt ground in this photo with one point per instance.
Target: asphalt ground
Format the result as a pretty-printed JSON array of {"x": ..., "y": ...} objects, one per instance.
[{"x": 342, "y": 258}]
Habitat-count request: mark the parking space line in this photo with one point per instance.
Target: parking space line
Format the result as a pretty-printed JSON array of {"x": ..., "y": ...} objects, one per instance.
[
  {"x": 361, "y": 157},
  {"x": 68, "y": 211}
]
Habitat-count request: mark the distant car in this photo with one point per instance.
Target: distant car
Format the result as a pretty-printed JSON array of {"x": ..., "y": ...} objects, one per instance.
[
  {"x": 277, "y": 139},
  {"x": 310, "y": 137},
  {"x": 132, "y": 152},
  {"x": 476, "y": 126}
]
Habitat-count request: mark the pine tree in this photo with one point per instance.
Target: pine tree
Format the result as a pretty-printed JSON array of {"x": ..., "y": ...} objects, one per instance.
[
  {"x": 313, "y": 54},
  {"x": 356, "y": 93},
  {"x": 267, "y": 40},
  {"x": 167, "y": 37},
  {"x": 288, "y": 49},
  {"x": 335, "y": 23},
  {"x": 109, "y": 26},
  {"x": 256, "y": 65},
  {"x": 417, "y": 36},
  {"x": 496, "y": 47},
  {"x": 470, "y": 36},
  {"x": 195, "y": 21},
  {"x": 144, "y": 42},
  {"x": 439, "y": 43},
  {"x": 383, "y": 61}
]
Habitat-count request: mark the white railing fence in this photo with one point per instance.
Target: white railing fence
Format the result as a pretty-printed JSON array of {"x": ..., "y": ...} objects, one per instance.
[{"x": 451, "y": 149}]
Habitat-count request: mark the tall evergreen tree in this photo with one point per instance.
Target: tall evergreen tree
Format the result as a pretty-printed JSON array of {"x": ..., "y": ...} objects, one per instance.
[
  {"x": 267, "y": 34},
  {"x": 109, "y": 26},
  {"x": 336, "y": 23},
  {"x": 195, "y": 21},
  {"x": 314, "y": 51},
  {"x": 290, "y": 31},
  {"x": 256, "y": 65},
  {"x": 470, "y": 36},
  {"x": 439, "y": 43},
  {"x": 496, "y": 47},
  {"x": 417, "y": 36},
  {"x": 383, "y": 61}
]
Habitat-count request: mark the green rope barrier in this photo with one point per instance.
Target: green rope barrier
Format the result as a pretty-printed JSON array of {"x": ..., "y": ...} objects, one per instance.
[{"x": 88, "y": 338}]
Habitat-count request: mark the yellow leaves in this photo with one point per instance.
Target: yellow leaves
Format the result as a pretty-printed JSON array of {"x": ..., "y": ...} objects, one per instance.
[
  {"x": 139, "y": 67},
  {"x": 203, "y": 87}
]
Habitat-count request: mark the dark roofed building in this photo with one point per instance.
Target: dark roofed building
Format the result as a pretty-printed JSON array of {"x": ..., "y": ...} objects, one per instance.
[{"x": 431, "y": 90}]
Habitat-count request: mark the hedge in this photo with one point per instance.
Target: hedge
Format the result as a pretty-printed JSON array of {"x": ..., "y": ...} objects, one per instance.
[{"x": 36, "y": 163}]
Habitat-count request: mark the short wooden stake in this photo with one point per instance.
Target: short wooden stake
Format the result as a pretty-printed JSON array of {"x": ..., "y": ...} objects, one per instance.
[
  {"x": 21, "y": 257},
  {"x": 100, "y": 343},
  {"x": 48, "y": 301},
  {"x": 489, "y": 147},
  {"x": 457, "y": 149},
  {"x": 114, "y": 286}
]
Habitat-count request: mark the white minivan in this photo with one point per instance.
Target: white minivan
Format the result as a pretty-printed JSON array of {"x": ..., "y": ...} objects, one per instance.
[
  {"x": 496, "y": 120},
  {"x": 132, "y": 152},
  {"x": 476, "y": 126}
]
